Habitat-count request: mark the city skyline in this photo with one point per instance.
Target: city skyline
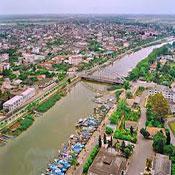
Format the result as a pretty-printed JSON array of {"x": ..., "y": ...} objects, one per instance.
[{"x": 87, "y": 7}]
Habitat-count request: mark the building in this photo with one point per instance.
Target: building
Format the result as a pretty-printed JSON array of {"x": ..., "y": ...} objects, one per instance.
[
  {"x": 75, "y": 60},
  {"x": 32, "y": 58},
  {"x": 27, "y": 94},
  {"x": 108, "y": 163},
  {"x": 13, "y": 103},
  {"x": 4, "y": 57},
  {"x": 18, "y": 100},
  {"x": 168, "y": 93},
  {"x": 154, "y": 130},
  {"x": 161, "y": 165}
]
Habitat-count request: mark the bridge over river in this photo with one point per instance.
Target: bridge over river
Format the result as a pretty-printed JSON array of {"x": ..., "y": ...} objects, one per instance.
[{"x": 109, "y": 78}]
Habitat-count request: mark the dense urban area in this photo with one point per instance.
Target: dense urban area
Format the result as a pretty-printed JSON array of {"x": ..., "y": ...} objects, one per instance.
[{"x": 111, "y": 82}]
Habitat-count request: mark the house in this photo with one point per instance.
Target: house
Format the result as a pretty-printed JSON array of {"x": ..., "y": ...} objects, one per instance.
[
  {"x": 161, "y": 165},
  {"x": 75, "y": 59},
  {"x": 59, "y": 59},
  {"x": 153, "y": 67},
  {"x": 72, "y": 71},
  {"x": 154, "y": 130},
  {"x": 32, "y": 58},
  {"x": 4, "y": 57},
  {"x": 41, "y": 77},
  {"x": 108, "y": 163}
]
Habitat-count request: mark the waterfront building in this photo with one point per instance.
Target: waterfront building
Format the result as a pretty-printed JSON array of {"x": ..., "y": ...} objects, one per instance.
[
  {"x": 18, "y": 100},
  {"x": 13, "y": 103},
  {"x": 27, "y": 94}
]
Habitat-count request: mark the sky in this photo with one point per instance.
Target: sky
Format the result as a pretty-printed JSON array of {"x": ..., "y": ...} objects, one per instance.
[{"x": 87, "y": 7}]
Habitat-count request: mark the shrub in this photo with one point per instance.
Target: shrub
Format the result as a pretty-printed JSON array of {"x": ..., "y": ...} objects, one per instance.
[
  {"x": 145, "y": 133},
  {"x": 125, "y": 135},
  {"x": 108, "y": 130},
  {"x": 90, "y": 159}
]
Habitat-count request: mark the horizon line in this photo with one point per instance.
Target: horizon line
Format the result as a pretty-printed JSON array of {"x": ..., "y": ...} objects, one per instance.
[{"x": 146, "y": 14}]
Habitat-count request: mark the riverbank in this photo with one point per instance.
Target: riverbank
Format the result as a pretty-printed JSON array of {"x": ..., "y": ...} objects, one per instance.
[
  {"x": 22, "y": 111},
  {"x": 111, "y": 61},
  {"x": 57, "y": 124}
]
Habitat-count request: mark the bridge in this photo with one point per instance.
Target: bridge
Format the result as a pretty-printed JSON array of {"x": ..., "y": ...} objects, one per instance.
[{"x": 104, "y": 78}]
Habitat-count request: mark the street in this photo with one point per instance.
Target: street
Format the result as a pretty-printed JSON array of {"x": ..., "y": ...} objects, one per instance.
[{"x": 143, "y": 148}]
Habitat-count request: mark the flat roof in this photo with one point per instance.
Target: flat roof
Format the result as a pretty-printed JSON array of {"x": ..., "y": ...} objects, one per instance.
[
  {"x": 28, "y": 91},
  {"x": 12, "y": 100}
]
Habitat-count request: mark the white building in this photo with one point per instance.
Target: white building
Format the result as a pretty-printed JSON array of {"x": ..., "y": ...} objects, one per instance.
[
  {"x": 13, "y": 103},
  {"x": 168, "y": 93},
  {"x": 29, "y": 93},
  {"x": 19, "y": 100},
  {"x": 32, "y": 58}
]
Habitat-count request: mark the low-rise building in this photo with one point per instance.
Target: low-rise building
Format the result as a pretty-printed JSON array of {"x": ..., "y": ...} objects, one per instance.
[
  {"x": 4, "y": 57},
  {"x": 27, "y": 94},
  {"x": 108, "y": 163},
  {"x": 75, "y": 59},
  {"x": 18, "y": 100},
  {"x": 13, "y": 103}
]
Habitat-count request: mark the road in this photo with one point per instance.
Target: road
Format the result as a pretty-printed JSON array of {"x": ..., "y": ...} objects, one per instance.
[{"x": 143, "y": 148}]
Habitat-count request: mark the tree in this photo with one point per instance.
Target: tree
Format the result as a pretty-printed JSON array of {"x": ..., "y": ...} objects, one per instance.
[
  {"x": 145, "y": 133},
  {"x": 104, "y": 139},
  {"x": 123, "y": 146},
  {"x": 168, "y": 137},
  {"x": 131, "y": 130},
  {"x": 110, "y": 143},
  {"x": 159, "y": 105},
  {"x": 108, "y": 130},
  {"x": 127, "y": 152},
  {"x": 126, "y": 85},
  {"x": 159, "y": 141},
  {"x": 148, "y": 164},
  {"x": 99, "y": 141}
]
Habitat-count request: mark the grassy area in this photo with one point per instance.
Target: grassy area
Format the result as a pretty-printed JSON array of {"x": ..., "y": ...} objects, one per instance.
[
  {"x": 45, "y": 106},
  {"x": 172, "y": 126},
  {"x": 19, "y": 126},
  {"x": 126, "y": 135},
  {"x": 128, "y": 113}
]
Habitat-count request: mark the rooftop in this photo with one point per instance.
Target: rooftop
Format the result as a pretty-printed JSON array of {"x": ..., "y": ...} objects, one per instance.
[{"x": 107, "y": 163}]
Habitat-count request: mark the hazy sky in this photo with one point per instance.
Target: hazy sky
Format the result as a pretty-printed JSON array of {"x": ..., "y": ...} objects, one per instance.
[{"x": 87, "y": 6}]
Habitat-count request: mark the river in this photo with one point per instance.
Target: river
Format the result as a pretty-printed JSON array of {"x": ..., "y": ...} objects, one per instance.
[{"x": 29, "y": 153}]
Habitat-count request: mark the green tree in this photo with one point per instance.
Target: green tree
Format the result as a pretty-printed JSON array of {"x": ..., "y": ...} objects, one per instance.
[
  {"x": 159, "y": 141},
  {"x": 126, "y": 85},
  {"x": 99, "y": 141},
  {"x": 168, "y": 137},
  {"x": 145, "y": 133},
  {"x": 159, "y": 105}
]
